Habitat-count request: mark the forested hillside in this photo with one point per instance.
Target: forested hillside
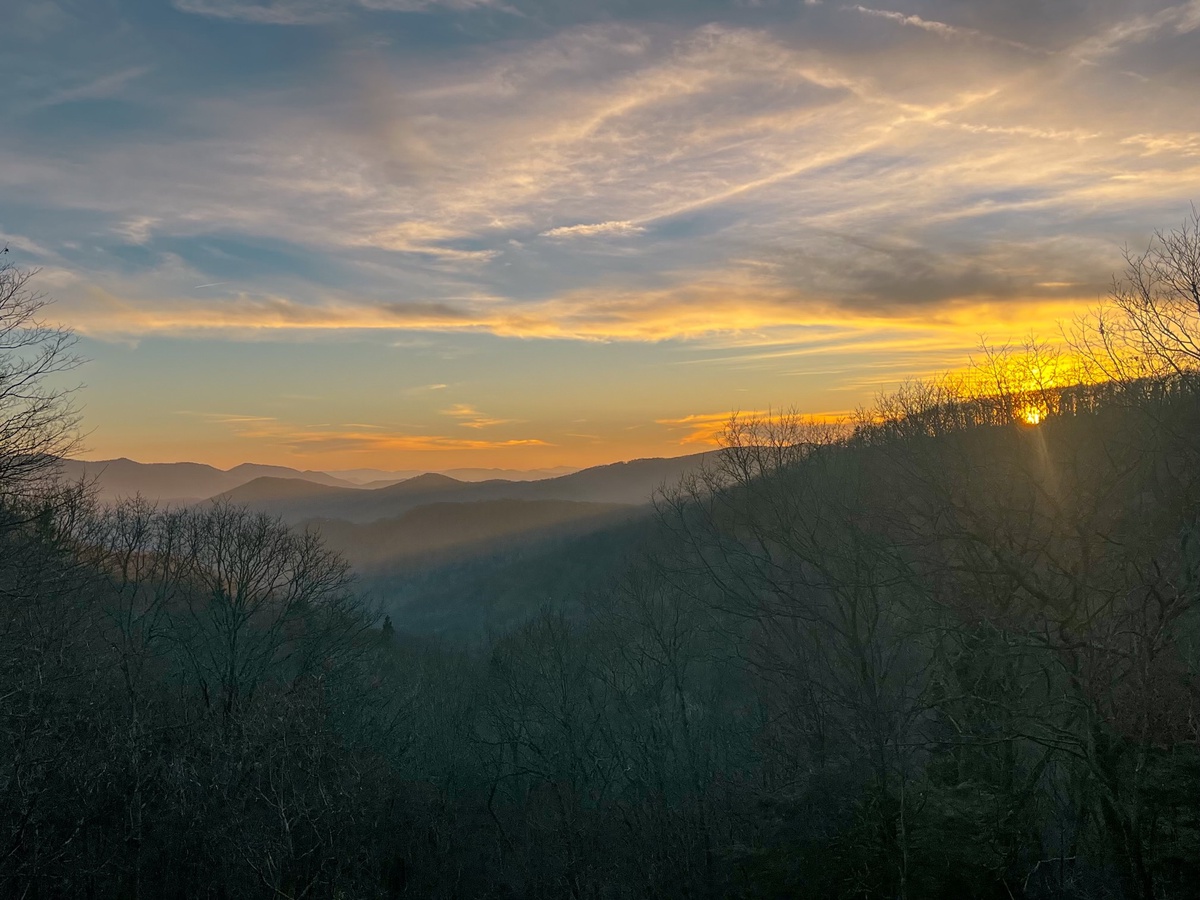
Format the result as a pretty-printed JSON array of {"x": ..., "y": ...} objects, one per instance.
[{"x": 949, "y": 651}]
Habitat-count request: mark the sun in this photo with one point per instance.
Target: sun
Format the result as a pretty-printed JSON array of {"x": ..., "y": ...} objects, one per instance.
[{"x": 1032, "y": 415}]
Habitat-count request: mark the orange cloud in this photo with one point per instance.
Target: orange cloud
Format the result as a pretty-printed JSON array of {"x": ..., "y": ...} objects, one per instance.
[
  {"x": 708, "y": 428},
  {"x": 472, "y": 418},
  {"x": 354, "y": 438},
  {"x": 737, "y": 302},
  {"x": 704, "y": 428}
]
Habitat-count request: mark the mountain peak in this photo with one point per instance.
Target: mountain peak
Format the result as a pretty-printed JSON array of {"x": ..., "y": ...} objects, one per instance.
[{"x": 428, "y": 481}]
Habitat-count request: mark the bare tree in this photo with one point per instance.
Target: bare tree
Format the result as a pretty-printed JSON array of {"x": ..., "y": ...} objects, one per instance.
[
  {"x": 38, "y": 423},
  {"x": 785, "y": 529},
  {"x": 1150, "y": 324},
  {"x": 262, "y": 598}
]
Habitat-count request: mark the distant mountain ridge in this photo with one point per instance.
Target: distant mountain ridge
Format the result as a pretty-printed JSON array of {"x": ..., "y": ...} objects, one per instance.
[
  {"x": 627, "y": 483},
  {"x": 297, "y": 495},
  {"x": 182, "y": 482},
  {"x": 374, "y": 478}
]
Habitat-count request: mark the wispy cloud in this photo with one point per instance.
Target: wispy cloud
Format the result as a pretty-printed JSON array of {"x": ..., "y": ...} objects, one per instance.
[
  {"x": 375, "y": 443},
  {"x": 600, "y": 229},
  {"x": 706, "y": 428},
  {"x": 515, "y": 147},
  {"x": 742, "y": 305},
  {"x": 353, "y": 437},
  {"x": 781, "y": 192},
  {"x": 1179, "y": 19},
  {"x": 472, "y": 418},
  {"x": 311, "y": 12},
  {"x": 138, "y": 230},
  {"x": 95, "y": 88},
  {"x": 942, "y": 29},
  {"x": 234, "y": 420},
  {"x": 20, "y": 242},
  {"x": 1183, "y": 143}
]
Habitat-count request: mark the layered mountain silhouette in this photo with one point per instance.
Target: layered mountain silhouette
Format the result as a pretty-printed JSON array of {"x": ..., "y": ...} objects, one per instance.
[
  {"x": 375, "y": 478},
  {"x": 189, "y": 482},
  {"x": 296, "y": 500},
  {"x": 183, "y": 482}
]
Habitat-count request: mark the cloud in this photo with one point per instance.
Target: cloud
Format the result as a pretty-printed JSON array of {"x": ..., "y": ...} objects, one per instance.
[
  {"x": 707, "y": 428},
  {"x": 353, "y": 437},
  {"x": 138, "y": 229},
  {"x": 807, "y": 190},
  {"x": 601, "y": 229},
  {"x": 96, "y": 88},
  {"x": 1183, "y": 143},
  {"x": 942, "y": 29},
  {"x": 618, "y": 130},
  {"x": 357, "y": 442},
  {"x": 20, "y": 242},
  {"x": 423, "y": 238},
  {"x": 472, "y": 418},
  {"x": 1179, "y": 19},
  {"x": 839, "y": 282},
  {"x": 312, "y": 12},
  {"x": 241, "y": 421}
]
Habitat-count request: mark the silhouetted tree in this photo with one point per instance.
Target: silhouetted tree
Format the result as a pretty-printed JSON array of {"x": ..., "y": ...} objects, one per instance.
[
  {"x": 1150, "y": 323},
  {"x": 38, "y": 424}
]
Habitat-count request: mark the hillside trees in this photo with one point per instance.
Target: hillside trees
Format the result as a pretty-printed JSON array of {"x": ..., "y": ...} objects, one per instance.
[
  {"x": 187, "y": 697},
  {"x": 789, "y": 535},
  {"x": 235, "y": 644},
  {"x": 964, "y": 614},
  {"x": 51, "y": 699},
  {"x": 1055, "y": 550},
  {"x": 260, "y": 596},
  {"x": 48, "y": 666}
]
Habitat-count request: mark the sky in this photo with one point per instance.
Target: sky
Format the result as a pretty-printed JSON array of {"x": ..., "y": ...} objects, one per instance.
[{"x": 519, "y": 233}]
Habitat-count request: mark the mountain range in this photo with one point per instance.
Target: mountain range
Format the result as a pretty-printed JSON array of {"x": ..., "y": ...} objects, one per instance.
[
  {"x": 180, "y": 482},
  {"x": 441, "y": 554},
  {"x": 298, "y": 495},
  {"x": 297, "y": 500},
  {"x": 382, "y": 477}
]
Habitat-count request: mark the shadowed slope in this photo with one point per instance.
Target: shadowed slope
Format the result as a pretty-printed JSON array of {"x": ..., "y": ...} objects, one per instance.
[{"x": 457, "y": 530}]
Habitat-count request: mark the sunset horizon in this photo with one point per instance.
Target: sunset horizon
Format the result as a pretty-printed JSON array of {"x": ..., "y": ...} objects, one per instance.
[{"x": 427, "y": 235}]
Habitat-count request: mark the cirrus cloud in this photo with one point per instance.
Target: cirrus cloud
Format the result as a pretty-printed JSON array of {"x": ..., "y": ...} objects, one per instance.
[
  {"x": 600, "y": 229},
  {"x": 801, "y": 198},
  {"x": 312, "y": 12}
]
